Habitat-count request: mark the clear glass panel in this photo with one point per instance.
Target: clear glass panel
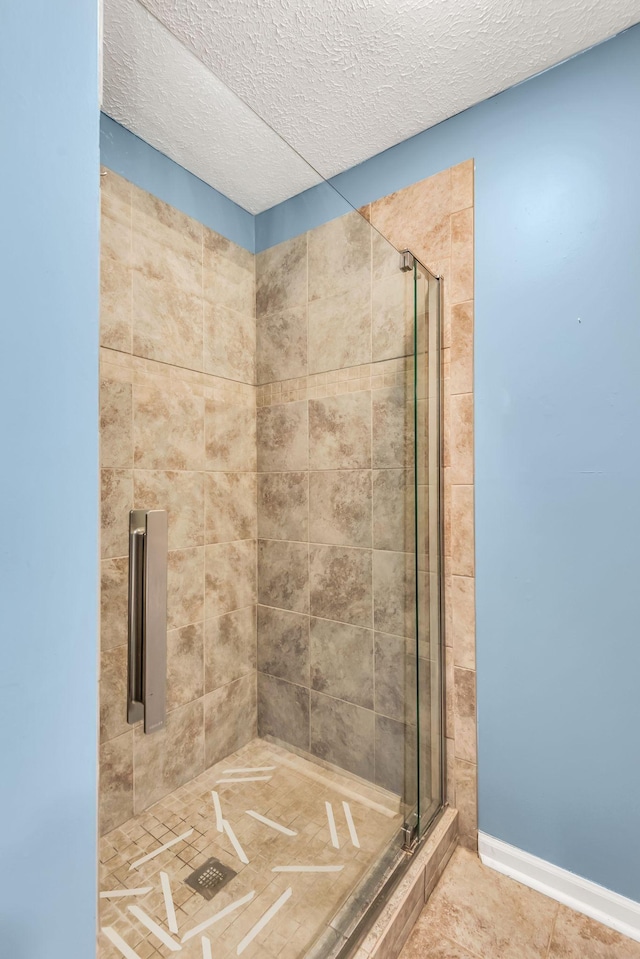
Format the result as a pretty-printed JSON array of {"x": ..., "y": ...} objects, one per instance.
[
  {"x": 428, "y": 536},
  {"x": 269, "y": 402}
]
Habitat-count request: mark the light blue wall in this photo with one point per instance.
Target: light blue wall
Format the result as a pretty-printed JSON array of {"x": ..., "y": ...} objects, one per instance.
[
  {"x": 137, "y": 161},
  {"x": 557, "y": 366},
  {"x": 49, "y": 478}
]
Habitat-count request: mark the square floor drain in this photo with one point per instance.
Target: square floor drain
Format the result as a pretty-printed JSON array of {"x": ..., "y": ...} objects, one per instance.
[{"x": 210, "y": 878}]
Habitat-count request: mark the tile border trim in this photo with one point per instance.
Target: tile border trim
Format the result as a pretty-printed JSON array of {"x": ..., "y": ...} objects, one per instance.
[{"x": 607, "y": 907}]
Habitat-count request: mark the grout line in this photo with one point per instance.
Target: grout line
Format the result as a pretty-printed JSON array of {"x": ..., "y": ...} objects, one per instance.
[
  {"x": 261, "y": 923},
  {"x": 157, "y": 852}
]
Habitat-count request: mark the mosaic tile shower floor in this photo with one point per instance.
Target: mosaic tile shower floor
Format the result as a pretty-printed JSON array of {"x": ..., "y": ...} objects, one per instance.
[{"x": 338, "y": 824}]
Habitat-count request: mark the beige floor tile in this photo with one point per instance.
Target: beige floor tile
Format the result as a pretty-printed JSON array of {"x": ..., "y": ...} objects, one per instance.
[{"x": 578, "y": 937}]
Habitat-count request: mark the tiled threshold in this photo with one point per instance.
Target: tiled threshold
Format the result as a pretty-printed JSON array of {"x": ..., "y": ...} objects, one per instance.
[{"x": 394, "y": 924}]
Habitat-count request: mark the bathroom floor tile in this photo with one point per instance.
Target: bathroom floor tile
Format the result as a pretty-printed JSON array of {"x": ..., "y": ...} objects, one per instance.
[{"x": 277, "y": 785}]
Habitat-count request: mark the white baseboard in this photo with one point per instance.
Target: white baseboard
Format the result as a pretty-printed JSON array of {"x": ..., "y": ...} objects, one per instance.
[{"x": 587, "y": 897}]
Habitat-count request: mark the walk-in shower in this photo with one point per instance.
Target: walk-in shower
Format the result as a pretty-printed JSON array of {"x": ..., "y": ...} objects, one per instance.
[{"x": 279, "y": 407}]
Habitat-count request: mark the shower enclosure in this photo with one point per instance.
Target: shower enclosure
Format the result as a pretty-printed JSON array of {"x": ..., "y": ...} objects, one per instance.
[{"x": 282, "y": 407}]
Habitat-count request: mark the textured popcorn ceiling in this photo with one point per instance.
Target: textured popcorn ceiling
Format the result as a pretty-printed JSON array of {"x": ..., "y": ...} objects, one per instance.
[{"x": 340, "y": 80}]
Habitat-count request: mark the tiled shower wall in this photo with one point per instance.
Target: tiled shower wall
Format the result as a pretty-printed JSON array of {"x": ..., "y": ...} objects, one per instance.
[
  {"x": 177, "y": 433},
  {"x": 336, "y": 578}
]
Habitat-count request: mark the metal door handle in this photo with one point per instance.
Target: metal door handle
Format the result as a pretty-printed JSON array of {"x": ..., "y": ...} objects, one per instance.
[{"x": 146, "y": 688}]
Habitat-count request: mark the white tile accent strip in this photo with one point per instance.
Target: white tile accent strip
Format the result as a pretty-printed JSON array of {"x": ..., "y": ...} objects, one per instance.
[
  {"x": 172, "y": 922},
  {"x": 116, "y": 893},
  {"x": 218, "y": 809},
  {"x": 307, "y": 868},
  {"x": 119, "y": 943},
  {"x": 241, "y": 854},
  {"x": 270, "y": 822},
  {"x": 350, "y": 823},
  {"x": 156, "y": 852},
  {"x": 245, "y": 779},
  {"x": 250, "y": 769},
  {"x": 157, "y": 930},
  {"x": 206, "y": 948},
  {"x": 261, "y": 923},
  {"x": 332, "y": 826},
  {"x": 349, "y": 793},
  {"x": 603, "y": 905},
  {"x": 219, "y": 915}
]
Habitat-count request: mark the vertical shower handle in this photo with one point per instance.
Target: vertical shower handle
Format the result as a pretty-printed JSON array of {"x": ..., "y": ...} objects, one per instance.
[{"x": 146, "y": 688}]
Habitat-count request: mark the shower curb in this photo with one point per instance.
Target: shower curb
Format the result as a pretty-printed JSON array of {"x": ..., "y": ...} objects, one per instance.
[{"x": 392, "y": 927}]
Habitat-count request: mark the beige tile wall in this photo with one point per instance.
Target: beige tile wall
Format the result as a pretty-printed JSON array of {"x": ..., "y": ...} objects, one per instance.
[
  {"x": 336, "y": 571},
  {"x": 434, "y": 219},
  {"x": 177, "y": 430}
]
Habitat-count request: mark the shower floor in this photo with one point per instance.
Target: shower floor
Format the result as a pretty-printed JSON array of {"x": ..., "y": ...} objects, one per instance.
[{"x": 146, "y": 908}]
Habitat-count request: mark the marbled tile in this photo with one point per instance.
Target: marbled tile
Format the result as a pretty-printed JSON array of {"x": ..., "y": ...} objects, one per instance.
[
  {"x": 230, "y": 577},
  {"x": 229, "y": 343},
  {"x": 281, "y": 276},
  {"x": 393, "y": 509},
  {"x": 283, "y": 506},
  {"x": 461, "y": 439},
  {"x": 116, "y": 424},
  {"x": 460, "y": 286},
  {"x": 230, "y": 718},
  {"x": 394, "y": 589},
  {"x": 340, "y": 507},
  {"x": 283, "y": 711},
  {"x": 395, "y": 677},
  {"x": 340, "y": 584},
  {"x": 466, "y": 793},
  {"x": 579, "y": 937},
  {"x": 392, "y": 321},
  {"x": 442, "y": 948},
  {"x": 181, "y": 494},
  {"x": 116, "y": 500},
  {"x": 230, "y": 435},
  {"x": 230, "y": 507},
  {"x": 418, "y": 217},
  {"x": 113, "y": 693},
  {"x": 114, "y": 602},
  {"x": 465, "y": 714},
  {"x": 392, "y": 428},
  {"x": 230, "y": 647},
  {"x": 167, "y": 322},
  {"x": 281, "y": 345},
  {"x": 116, "y": 781},
  {"x": 462, "y": 186},
  {"x": 395, "y": 768},
  {"x": 283, "y": 644},
  {"x": 170, "y": 757},
  {"x": 340, "y": 330},
  {"x": 340, "y": 432},
  {"x": 462, "y": 533},
  {"x": 228, "y": 273},
  {"x": 115, "y": 267},
  {"x": 463, "y": 631},
  {"x": 165, "y": 225},
  {"x": 168, "y": 426},
  {"x": 385, "y": 257},
  {"x": 283, "y": 437},
  {"x": 343, "y": 734},
  {"x": 462, "y": 348},
  {"x": 339, "y": 256},
  {"x": 342, "y": 661},
  {"x": 487, "y": 913},
  {"x": 185, "y": 671},
  {"x": 283, "y": 577},
  {"x": 185, "y": 587}
]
